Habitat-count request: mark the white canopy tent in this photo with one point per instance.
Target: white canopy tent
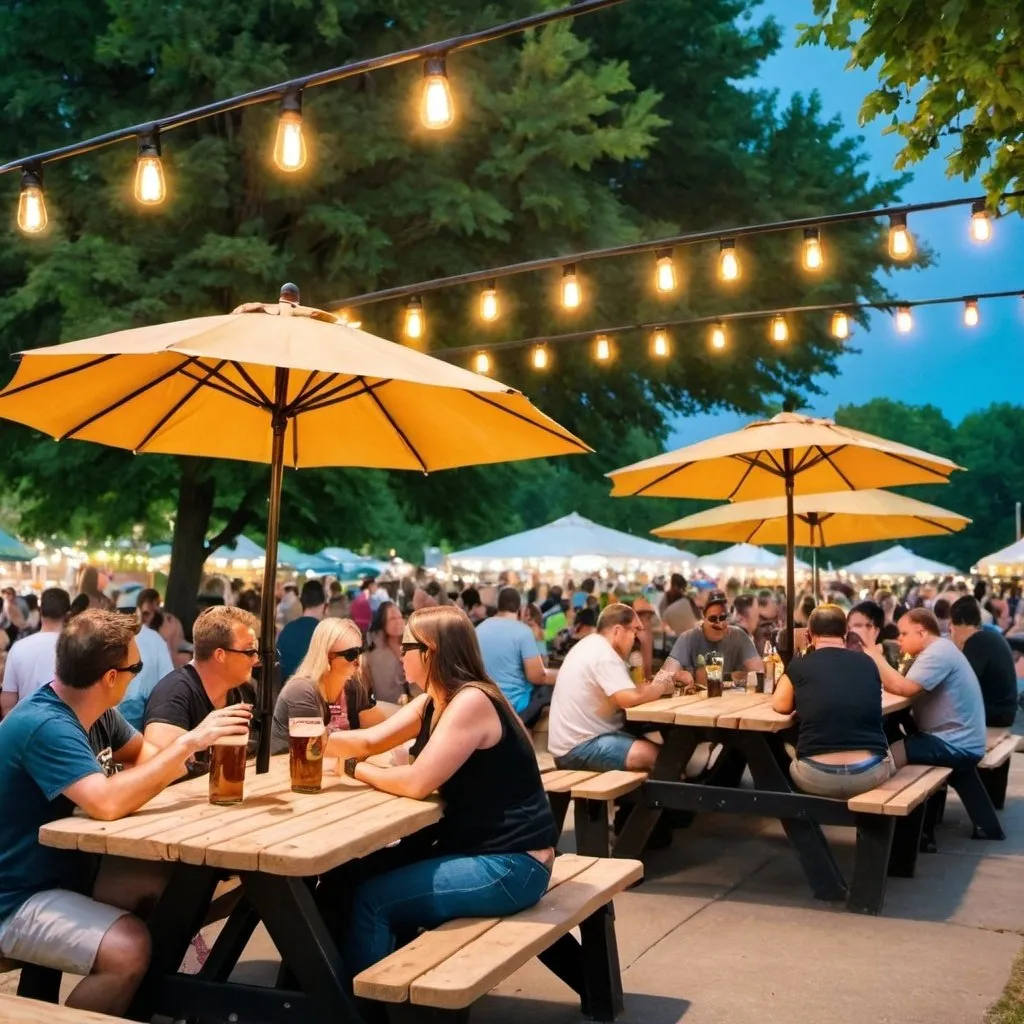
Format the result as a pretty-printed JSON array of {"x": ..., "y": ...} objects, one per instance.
[
  {"x": 746, "y": 559},
  {"x": 575, "y": 543},
  {"x": 899, "y": 561},
  {"x": 1004, "y": 562}
]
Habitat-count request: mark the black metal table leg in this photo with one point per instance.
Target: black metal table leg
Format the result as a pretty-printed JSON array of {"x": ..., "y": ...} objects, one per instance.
[
  {"x": 995, "y": 781},
  {"x": 602, "y": 976},
  {"x": 978, "y": 804},
  {"x": 231, "y": 942},
  {"x": 591, "y": 818},
  {"x": 42, "y": 983},
  {"x": 907, "y": 842},
  {"x": 874, "y": 845},
  {"x": 564, "y": 959},
  {"x": 559, "y": 803}
]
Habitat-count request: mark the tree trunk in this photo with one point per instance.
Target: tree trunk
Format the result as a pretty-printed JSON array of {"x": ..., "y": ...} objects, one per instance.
[{"x": 196, "y": 490}]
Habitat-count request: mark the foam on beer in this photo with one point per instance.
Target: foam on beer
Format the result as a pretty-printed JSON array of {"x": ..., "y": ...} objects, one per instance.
[{"x": 305, "y": 728}]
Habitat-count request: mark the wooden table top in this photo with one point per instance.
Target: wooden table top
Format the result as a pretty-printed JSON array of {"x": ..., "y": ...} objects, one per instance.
[
  {"x": 742, "y": 710},
  {"x": 273, "y": 830}
]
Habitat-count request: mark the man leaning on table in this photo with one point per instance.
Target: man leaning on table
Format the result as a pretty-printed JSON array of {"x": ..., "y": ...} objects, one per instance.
[{"x": 60, "y": 749}]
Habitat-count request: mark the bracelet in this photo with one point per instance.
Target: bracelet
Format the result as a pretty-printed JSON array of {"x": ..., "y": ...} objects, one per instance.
[{"x": 350, "y": 766}]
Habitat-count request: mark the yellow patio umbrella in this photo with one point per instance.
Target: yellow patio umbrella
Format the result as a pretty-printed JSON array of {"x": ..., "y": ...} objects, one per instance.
[
  {"x": 789, "y": 454},
  {"x": 281, "y": 384}
]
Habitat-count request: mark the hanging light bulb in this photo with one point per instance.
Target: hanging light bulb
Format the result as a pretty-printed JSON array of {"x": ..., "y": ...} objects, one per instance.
[
  {"x": 290, "y": 145},
  {"x": 482, "y": 362},
  {"x": 415, "y": 321},
  {"x": 971, "y": 314},
  {"x": 813, "y": 257},
  {"x": 840, "y": 325},
  {"x": 778, "y": 330},
  {"x": 901, "y": 242},
  {"x": 436, "y": 110},
  {"x": 904, "y": 319},
  {"x": 572, "y": 296},
  {"x": 660, "y": 346},
  {"x": 349, "y": 317},
  {"x": 31, "y": 203},
  {"x": 602, "y": 348},
  {"x": 489, "y": 303},
  {"x": 665, "y": 279},
  {"x": 728, "y": 261},
  {"x": 150, "y": 185},
  {"x": 718, "y": 336},
  {"x": 539, "y": 357},
  {"x": 981, "y": 222}
]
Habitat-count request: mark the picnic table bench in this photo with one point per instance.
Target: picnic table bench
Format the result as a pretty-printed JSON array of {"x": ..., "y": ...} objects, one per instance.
[{"x": 19, "y": 1010}]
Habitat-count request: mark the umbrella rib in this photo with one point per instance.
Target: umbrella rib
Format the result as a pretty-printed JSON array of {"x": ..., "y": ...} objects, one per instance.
[
  {"x": 303, "y": 394},
  {"x": 661, "y": 479},
  {"x": 803, "y": 460},
  {"x": 326, "y": 403},
  {"x": 296, "y": 407},
  {"x": 828, "y": 458},
  {"x": 257, "y": 390},
  {"x": 526, "y": 419},
  {"x": 124, "y": 399},
  {"x": 295, "y": 441},
  {"x": 227, "y": 387},
  {"x": 944, "y": 477},
  {"x": 50, "y": 378},
  {"x": 753, "y": 532},
  {"x": 401, "y": 433},
  {"x": 936, "y": 524},
  {"x": 743, "y": 479},
  {"x": 177, "y": 406}
]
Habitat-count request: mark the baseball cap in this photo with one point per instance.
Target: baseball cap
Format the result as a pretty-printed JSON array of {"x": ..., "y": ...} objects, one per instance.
[{"x": 717, "y": 597}]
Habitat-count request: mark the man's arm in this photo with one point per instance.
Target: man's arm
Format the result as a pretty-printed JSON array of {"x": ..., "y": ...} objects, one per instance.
[
  {"x": 783, "y": 700},
  {"x": 536, "y": 673},
  {"x": 754, "y": 664},
  {"x": 7, "y": 701},
  {"x": 892, "y": 681},
  {"x": 162, "y": 735},
  {"x": 636, "y": 695}
]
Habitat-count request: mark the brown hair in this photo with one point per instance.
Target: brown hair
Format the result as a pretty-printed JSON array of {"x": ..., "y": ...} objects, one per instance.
[
  {"x": 925, "y": 619},
  {"x": 214, "y": 629},
  {"x": 615, "y": 615},
  {"x": 827, "y": 620},
  {"x": 91, "y": 644}
]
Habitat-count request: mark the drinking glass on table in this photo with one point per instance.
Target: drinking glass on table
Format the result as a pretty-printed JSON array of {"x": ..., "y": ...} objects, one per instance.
[
  {"x": 227, "y": 770},
  {"x": 714, "y": 670},
  {"x": 739, "y": 680},
  {"x": 307, "y": 739}
]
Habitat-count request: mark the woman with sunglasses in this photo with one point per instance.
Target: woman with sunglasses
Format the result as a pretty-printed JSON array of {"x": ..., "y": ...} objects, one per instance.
[
  {"x": 328, "y": 675},
  {"x": 491, "y": 855}
]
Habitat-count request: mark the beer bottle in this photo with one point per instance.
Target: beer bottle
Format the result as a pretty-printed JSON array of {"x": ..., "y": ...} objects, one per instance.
[
  {"x": 769, "y": 667},
  {"x": 700, "y": 673}
]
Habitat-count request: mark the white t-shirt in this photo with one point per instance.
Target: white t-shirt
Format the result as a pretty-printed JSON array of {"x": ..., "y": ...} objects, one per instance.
[
  {"x": 581, "y": 707},
  {"x": 30, "y": 664}
]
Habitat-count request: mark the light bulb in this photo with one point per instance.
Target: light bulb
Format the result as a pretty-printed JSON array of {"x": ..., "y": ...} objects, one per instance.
[
  {"x": 31, "y": 203},
  {"x": 840, "y": 325},
  {"x": 728, "y": 262},
  {"x": 415, "y": 322},
  {"x": 572, "y": 295},
  {"x": 718, "y": 336},
  {"x": 489, "y": 303},
  {"x": 813, "y": 257},
  {"x": 971, "y": 314},
  {"x": 660, "y": 344},
  {"x": 901, "y": 243},
  {"x": 482, "y": 362},
  {"x": 350, "y": 318},
  {"x": 778, "y": 330},
  {"x": 666, "y": 272},
  {"x": 602, "y": 348},
  {"x": 150, "y": 185},
  {"x": 540, "y": 357},
  {"x": 904, "y": 319},
  {"x": 981, "y": 223},
  {"x": 290, "y": 145},
  {"x": 436, "y": 110}
]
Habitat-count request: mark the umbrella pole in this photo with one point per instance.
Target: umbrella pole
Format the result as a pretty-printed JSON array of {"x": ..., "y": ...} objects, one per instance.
[{"x": 787, "y": 465}]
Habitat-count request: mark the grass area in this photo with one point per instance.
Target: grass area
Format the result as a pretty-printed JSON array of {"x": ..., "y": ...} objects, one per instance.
[{"x": 1010, "y": 1008}]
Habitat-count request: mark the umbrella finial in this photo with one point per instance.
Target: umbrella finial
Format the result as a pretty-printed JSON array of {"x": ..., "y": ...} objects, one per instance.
[{"x": 290, "y": 293}]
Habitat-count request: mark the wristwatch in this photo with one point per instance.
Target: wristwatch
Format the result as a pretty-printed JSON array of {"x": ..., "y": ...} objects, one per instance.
[{"x": 350, "y": 766}]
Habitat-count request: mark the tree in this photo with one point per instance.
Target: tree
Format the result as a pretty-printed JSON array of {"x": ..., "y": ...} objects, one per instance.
[{"x": 945, "y": 69}]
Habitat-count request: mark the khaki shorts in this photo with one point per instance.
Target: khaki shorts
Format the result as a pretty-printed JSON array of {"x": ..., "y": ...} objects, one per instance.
[{"x": 59, "y": 929}]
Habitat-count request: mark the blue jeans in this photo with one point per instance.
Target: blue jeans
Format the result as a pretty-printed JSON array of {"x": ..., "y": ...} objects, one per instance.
[
  {"x": 605, "y": 753},
  {"x": 927, "y": 748},
  {"x": 429, "y": 892}
]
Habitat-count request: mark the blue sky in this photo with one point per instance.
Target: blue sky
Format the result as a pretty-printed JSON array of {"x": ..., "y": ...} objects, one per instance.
[{"x": 943, "y": 362}]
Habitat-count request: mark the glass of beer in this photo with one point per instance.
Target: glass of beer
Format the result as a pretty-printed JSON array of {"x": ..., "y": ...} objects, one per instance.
[
  {"x": 227, "y": 770},
  {"x": 307, "y": 738}
]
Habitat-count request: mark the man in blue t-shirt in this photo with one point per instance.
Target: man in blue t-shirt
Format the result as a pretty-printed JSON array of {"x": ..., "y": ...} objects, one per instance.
[
  {"x": 60, "y": 749},
  {"x": 510, "y": 656},
  {"x": 293, "y": 643}
]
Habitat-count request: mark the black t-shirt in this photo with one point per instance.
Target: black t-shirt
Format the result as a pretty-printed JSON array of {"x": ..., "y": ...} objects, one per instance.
[
  {"x": 109, "y": 733},
  {"x": 992, "y": 660},
  {"x": 838, "y": 699}
]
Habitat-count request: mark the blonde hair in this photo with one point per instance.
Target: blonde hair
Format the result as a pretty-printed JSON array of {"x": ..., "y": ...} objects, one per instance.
[
  {"x": 329, "y": 632},
  {"x": 214, "y": 629}
]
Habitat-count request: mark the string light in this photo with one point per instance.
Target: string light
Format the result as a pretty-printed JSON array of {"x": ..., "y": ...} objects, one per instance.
[
  {"x": 436, "y": 111},
  {"x": 602, "y": 348},
  {"x": 489, "y": 303},
  {"x": 665, "y": 278},
  {"x": 482, "y": 362},
  {"x": 840, "y": 325},
  {"x": 718, "y": 336},
  {"x": 728, "y": 261},
  {"x": 981, "y": 222},
  {"x": 901, "y": 242},
  {"x": 539, "y": 357},
  {"x": 150, "y": 185},
  {"x": 572, "y": 295},
  {"x": 31, "y": 203},
  {"x": 290, "y": 144},
  {"x": 971, "y": 313},
  {"x": 415, "y": 320},
  {"x": 350, "y": 318},
  {"x": 778, "y": 330},
  {"x": 813, "y": 257},
  {"x": 904, "y": 320},
  {"x": 660, "y": 346}
]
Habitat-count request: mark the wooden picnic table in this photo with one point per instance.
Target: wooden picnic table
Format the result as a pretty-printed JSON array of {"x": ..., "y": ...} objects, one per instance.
[{"x": 276, "y": 841}]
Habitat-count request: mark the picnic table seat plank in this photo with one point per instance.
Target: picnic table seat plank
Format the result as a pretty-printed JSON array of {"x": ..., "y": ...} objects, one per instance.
[
  {"x": 388, "y": 981},
  {"x": 18, "y": 1010},
  {"x": 545, "y": 762},
  {"x": 484, "y": 962},
  {"x": 908, "y": 798},
  {"x": 608, "y": 785},
  {"x": 875, "y": 799},
  {"x": 563, "y": 780},
  {"x": 999, "y": 753}
]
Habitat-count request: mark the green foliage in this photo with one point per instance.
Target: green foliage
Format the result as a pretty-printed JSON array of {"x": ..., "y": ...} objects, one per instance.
[{"x": 945, "y": 67}]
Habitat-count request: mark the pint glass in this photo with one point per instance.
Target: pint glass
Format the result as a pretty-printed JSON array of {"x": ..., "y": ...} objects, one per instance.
[
  {"x": 306, "y": 740},
  {"x": 227, "y": 770}
]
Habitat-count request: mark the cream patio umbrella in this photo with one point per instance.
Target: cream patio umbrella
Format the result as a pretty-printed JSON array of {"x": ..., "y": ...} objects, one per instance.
[
  {"x": 295, "y": 388},
  {"x": 789, "y": 454}
]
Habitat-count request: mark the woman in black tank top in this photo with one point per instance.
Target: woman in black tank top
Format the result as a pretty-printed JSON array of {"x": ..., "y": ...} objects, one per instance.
[{"x": 491, "y": 854}]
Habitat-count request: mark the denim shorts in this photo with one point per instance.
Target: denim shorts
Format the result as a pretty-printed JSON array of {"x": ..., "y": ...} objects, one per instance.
[
  {"x": 605, "y": 753},
  {"x": 927, "y": 748}
]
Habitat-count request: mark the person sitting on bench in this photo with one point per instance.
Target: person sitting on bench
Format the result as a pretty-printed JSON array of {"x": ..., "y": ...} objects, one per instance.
[
  {"x": 990, "y": 656},
  {"x": 949, "y": 711},
  {"x": 836, "y": 693}
]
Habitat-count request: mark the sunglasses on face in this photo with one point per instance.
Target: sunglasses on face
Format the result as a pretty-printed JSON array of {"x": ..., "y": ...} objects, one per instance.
[
  {"x": 413, "y": 645},
  {"x": 350, "y": 654},
  {"x": 133, "y": 670},
  {"x": 249, "y": 652},
  {"x": 715, "y": 619}
]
